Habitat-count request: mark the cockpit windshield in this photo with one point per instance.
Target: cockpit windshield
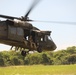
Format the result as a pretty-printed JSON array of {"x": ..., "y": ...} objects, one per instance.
[
  {"x": 46, "y": 38},
  {"x": 49, "y": 37}
]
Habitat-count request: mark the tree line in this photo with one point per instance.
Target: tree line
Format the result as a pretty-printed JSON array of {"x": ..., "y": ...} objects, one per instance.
[{"x": 60, "y": 57}]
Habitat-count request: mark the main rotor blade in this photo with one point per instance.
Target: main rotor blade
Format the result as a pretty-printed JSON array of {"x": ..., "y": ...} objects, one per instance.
[
  {"x": 32, "y": 6},
  {"x": 59, "y": 22},
  {"x": 9, "y": 17}
]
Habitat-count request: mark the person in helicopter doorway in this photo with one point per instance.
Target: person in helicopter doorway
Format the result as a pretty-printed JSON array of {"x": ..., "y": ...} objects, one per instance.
[{"x": 32, "y": 40}]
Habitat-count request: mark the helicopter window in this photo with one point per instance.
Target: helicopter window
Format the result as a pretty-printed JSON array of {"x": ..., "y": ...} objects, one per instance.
[
  {"x": 45, "y": 38},
  {"x": 12, "y": 30},
  {"x": 27, "y": 38},
  {"x": 19, "y": 31},
  {"x": 41, "y": 39},
  {"x": 49, "y": 38},
  {"x": 15, "y": 31}
]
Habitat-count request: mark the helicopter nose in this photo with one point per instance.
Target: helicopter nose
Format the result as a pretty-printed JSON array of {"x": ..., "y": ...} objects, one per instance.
[{"x": 52, "y": 45}]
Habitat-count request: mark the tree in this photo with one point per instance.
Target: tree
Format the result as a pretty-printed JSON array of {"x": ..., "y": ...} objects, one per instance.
[
  {"x": 2, "y": 62},
  {"x": 71, "y": 50},
  {"x": 46, "y": 59},
  {"x": 15, "y": 61},
  {"x": 72, "y": 59}
]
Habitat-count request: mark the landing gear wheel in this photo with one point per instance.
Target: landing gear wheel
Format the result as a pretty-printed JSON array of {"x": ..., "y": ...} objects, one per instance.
[
  {"x": 23, "y": 53},
  {"x": 39, "y": 49}
]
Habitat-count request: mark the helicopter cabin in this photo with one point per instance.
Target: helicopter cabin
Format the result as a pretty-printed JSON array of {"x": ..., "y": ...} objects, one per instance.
[
  {"x": 13, "y": 30},
  {"x": 8, "y": 31}
]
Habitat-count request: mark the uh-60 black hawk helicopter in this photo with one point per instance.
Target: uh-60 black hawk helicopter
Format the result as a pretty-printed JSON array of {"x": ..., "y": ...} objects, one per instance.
[{"x": 23, "y": 35}]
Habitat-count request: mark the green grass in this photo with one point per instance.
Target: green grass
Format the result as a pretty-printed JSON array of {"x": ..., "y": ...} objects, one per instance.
[{"x": 39, "y": 70}]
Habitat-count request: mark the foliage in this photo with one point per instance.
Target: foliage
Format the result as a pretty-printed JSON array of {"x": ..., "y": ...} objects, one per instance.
[
  {"x": 2, "y": 62},
  {"x": 72, "y": 59},
  {"x": 60, "y": 57}
]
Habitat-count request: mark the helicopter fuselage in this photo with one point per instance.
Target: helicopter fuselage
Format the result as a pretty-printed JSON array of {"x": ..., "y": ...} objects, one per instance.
[{"x": 24, "y": 35}]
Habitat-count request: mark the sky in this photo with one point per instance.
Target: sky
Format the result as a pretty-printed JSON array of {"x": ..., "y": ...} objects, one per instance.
[{"x": 64, "y": 35}]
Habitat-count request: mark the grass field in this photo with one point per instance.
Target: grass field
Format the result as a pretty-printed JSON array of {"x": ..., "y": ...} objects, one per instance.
[{"x": 39, "y": 70}]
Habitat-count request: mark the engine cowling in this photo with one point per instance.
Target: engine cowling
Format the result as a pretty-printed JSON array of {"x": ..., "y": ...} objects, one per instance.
[{"x": 22, "y": 24}]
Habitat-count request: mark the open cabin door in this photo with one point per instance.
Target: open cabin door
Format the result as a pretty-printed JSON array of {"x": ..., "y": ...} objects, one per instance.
[{"x": 15, "y": 33}]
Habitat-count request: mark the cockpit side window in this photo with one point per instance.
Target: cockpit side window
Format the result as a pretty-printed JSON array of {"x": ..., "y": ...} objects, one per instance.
[{"x": 44, "y": 38}]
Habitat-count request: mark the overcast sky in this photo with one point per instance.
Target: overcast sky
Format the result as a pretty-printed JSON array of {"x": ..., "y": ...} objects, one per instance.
[{"x": 64, "y": 35}]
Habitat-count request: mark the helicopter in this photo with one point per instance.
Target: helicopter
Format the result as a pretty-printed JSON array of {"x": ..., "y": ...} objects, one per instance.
[{"x": 23, "y": 35}]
